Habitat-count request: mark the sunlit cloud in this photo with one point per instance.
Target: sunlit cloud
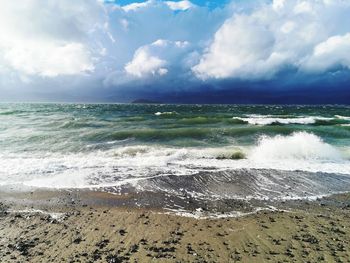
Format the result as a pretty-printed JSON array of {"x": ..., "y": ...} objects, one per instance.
[{"x": 307, "y": 35}]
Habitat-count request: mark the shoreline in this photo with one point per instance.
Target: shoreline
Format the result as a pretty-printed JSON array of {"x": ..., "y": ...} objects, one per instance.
[{"x": 100, "y": 227}]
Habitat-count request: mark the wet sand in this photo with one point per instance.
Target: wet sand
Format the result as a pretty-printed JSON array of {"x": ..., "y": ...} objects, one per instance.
[{"x": 90, "y": 226}]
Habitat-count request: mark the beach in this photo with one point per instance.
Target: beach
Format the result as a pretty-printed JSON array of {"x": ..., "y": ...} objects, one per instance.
[{"x": 84, "y": 226}]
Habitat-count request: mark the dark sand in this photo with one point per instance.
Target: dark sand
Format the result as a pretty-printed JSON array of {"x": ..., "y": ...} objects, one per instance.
[{"x": 100, "y": 227}]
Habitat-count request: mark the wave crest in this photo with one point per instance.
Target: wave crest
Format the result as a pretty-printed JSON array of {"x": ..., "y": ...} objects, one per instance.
[
  {"x": 270, "y": 119},
  {"x": 347, "y": 118},
  {"x": 165, "y": 113},
  {"x": 299, "y": 145}
]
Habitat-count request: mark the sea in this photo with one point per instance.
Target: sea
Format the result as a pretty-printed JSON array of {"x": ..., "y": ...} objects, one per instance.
[{"x": 204, "y": 151}]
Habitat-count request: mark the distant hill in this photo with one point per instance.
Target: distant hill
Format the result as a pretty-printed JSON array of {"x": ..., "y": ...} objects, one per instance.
[{"x": 145, "y": 101}]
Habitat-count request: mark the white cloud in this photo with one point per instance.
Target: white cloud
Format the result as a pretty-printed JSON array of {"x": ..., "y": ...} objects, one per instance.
[
  {"x": 50, "y": 60},
  {"x": 125, "y": 24},
  {"x": 144, "y": 64},
  {"x": 152, "y": 60},
  {"x": 135, "y": 6},
  {"x": 180, "y": 5},
  {"x": 48, "y": 38},
  {"x": 278, "y": 4},
  {"x": 335, "y": 51},
  {"x": 173, "y": 5},
  {"x": 162, "y": 71},
  {"x": 303, "y": 7},
  {"x": 252, "y": 43},
  {"x": 284, "y": 33}
]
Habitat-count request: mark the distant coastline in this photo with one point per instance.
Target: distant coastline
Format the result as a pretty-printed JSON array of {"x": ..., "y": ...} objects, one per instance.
[{"x": 145, "y": 101}]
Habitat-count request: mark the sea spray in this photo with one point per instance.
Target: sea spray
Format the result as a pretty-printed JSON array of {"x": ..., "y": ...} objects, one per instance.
[{"x": 299, "y": 145}]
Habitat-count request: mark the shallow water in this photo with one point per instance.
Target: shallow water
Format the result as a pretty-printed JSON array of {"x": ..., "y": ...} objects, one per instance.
[{"x": 109, "y": 145}]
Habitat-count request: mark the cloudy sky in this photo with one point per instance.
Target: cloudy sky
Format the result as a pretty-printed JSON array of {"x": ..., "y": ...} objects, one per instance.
[{"x": 239, "y": 51}]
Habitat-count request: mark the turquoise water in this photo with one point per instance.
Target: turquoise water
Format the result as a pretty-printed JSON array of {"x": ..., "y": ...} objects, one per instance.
[{"x": 100, "y": 145}]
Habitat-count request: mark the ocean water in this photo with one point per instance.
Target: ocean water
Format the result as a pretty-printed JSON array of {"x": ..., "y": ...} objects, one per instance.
[{"x": 206, "y": 151}]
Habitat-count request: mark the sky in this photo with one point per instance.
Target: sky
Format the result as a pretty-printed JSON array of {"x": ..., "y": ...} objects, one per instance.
[{"x": 188, "y": 51}]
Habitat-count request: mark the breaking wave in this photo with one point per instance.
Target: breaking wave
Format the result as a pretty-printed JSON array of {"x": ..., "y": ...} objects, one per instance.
[
  {"x": 342, "y": 117},
  {"x": 165, "y": 113},
  {"x": 300, "y": 151},
  {"x": 273, "y": 119},
  {"x": 299, "y": 145}
]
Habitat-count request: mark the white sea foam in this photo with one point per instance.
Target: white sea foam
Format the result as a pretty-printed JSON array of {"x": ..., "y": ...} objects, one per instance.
[
  {"x": 347, "y": 118},
  {"x": 198, "y": 214},
  {"x": 298, "y": 146},
  {"x": 271, "y": 119},
  {"x": 298, "y": 151},
  {"x": 165, "y": 113}
]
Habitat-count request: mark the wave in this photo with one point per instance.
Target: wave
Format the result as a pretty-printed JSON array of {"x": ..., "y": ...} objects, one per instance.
[
  {"x": 197, "y": 120},
  {"x": 226, "y": 153},
  {"x": 11, "y": 112},
  {"x": 298, "y": 151},
  {"x": 299, "y": 145},
  {"x": 347, "y": 118},
  {"x": 165, "y": 113},
  {"x": 272, "y": 119},
  {"x": 132, "y": 151},
  {"x": 76, "y": 124},
  {"x": 159, "y": 134},
  {"x": 167, "y": 134},
  {"x": 256, "y": 119}
]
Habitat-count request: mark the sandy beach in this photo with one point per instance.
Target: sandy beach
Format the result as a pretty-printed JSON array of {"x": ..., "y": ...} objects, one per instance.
[{"x": 85, "y": 226}]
